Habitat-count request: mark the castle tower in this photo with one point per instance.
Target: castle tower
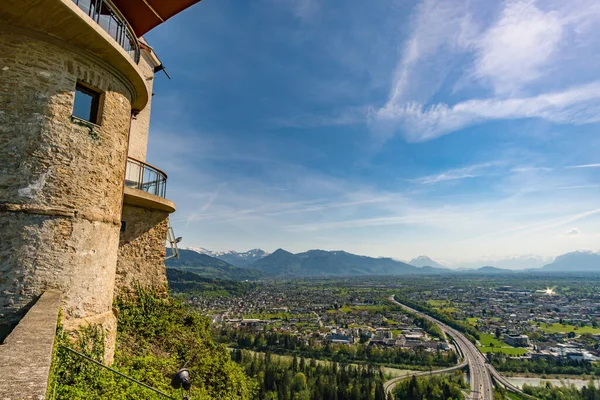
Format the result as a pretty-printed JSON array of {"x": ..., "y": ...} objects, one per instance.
[{"x": 75, "y": 85}]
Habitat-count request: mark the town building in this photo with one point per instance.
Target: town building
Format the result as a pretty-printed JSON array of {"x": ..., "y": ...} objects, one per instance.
[{"x": 516, "y": 340}]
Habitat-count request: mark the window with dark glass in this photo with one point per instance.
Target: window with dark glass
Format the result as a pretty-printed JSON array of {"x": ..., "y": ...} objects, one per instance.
[{"x": 87, "y": 102}]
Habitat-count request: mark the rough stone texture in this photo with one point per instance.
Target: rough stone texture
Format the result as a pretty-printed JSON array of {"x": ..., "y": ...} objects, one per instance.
[
  {"x": 142, "y": 249},
  {"x": 26, "y": 354},
  {"x": 107, "y": 321},
  {"x": 60, "y": 182},
  {"x": 140, "y": 124}
]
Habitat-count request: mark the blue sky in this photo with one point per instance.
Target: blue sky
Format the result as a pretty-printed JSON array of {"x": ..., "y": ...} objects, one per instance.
[{"x": 457, "y": 129}]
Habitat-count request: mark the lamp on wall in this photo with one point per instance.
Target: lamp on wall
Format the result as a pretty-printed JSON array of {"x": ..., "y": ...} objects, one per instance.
[{"x": 181, "y": 380}]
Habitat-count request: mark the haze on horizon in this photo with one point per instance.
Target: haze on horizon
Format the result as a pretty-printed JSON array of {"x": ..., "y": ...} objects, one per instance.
[{"x": 447, "y": 128}]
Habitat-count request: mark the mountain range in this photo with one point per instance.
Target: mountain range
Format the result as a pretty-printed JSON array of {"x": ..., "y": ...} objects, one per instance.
[
  {"x": 210, "y": 267},
  {"x": 232, "y": 257},
  {"x": 581, "y": 261},
  {"x": 256, "y": 264},
  {"x": 327, "y": 263}
]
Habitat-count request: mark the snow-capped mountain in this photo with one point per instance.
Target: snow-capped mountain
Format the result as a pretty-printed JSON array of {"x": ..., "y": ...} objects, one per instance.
[
  {"x": 424, "y": 261},
  {"x": 242, "y": 260}
]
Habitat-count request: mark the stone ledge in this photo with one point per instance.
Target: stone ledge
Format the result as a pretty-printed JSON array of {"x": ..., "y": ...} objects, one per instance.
[
  {"x": 26, "y": 354},
  {"x": 136, "y": 197},
  {"x": 57, "y": 212}
]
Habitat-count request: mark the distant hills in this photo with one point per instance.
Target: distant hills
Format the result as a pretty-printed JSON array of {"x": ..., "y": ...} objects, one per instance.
[
  {"x": 257, "y": 264},
  {"x": 424, "y": 261},
  {"x": 577, "y": 261},
  {"x": 515, "y": 262},
  {"x": 210, "y": 267},
  {"x": 491, "y": 270},
  {"x": 331, "y": 263}
]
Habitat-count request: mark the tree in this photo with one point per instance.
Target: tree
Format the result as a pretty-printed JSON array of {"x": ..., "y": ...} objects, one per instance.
[
  {"x": 379, "y": 392},
  {"x": 498, "y": 333}
]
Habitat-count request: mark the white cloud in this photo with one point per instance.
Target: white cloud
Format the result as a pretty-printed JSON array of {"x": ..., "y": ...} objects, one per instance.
[
  {"x": 529, "y": 47},
  {"x": 573, "y": 232},
  {"x": 516, "y": 49},
  {"x": 575, "y": 105}
]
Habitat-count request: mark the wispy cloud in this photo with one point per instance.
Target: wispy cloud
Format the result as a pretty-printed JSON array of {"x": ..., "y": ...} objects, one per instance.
[
  {"x": 435, "y": 24},
  {"x": 531, "y": 169},
  {"x": 584, "y": 166},
  {"x": 471, "y": 171},
  {"x": 575, "y": 105}
]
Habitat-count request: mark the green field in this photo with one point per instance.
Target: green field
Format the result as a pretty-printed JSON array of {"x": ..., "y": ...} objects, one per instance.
[
  {"x": 559, "y": 328},
  {"x": 487, "y": 340},
  {"x": 442, "y": 305},
  {"x": 437, "y": 303},
  {"x": 509, "y": 351},
  {"x": 352, "y": 309}
]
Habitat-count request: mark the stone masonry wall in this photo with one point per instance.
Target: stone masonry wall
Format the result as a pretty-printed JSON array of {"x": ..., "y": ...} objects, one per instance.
[
  {"x": 142, "y": 249},
  {"x": 140, "y": 125},
  {"x": 61, "y": 183}
]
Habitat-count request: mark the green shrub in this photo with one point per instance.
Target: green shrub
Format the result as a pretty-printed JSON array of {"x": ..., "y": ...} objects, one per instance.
[{"x": 156, "y": 336}]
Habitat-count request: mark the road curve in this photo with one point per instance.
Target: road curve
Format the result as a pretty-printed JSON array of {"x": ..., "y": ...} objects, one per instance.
[
  {"x": 389, "y": 385},
  {"x": 480, "y": 379}
]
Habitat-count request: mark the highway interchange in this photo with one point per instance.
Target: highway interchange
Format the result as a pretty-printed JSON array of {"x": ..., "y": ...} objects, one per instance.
[{"x": 479, "y": 371}]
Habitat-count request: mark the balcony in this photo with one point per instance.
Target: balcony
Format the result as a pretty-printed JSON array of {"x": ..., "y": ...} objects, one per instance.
[
  {"x": 146, "y": 186},
  {"x": 111, "y": 21},
  {"x": 142, "y": 176}
]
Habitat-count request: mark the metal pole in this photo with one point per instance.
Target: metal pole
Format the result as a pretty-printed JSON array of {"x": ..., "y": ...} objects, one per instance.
[{"x": 117, "y": 372}]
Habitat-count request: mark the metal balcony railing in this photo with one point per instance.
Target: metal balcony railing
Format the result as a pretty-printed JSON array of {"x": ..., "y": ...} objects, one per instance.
[
  {"x": 107, "y": 16},
  {"x": 142, "y": 176}
]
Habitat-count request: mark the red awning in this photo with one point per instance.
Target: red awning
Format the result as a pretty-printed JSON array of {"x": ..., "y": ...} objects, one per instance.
[{"x": 143, "y": 15}]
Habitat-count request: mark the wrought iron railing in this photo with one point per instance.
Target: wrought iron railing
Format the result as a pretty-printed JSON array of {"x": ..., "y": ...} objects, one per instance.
[
  {"x": 142, "y": 176},
  {"x": 107, "y": 16}
]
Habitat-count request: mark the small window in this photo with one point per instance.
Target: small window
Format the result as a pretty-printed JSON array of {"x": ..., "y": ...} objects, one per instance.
[{"x": 87, "y": 102}]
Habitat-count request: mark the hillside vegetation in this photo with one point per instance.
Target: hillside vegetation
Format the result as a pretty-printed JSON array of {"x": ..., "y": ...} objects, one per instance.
[
  {"x": 156, "y": 337},
  {"x": 190, "y": 283}
]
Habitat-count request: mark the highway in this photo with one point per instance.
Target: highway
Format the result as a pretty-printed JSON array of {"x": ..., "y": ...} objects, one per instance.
[
  {"x": 389, "y": 385},
  {"x": 480, "y": 375}
]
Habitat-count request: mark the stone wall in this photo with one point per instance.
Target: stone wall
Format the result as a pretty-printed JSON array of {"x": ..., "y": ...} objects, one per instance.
[
  {"x": 142, "y": 249},
  {"x": 26, "y": 355},
  {"x": 61, "y": 183},
  {"x": 140, "y": 125}
]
